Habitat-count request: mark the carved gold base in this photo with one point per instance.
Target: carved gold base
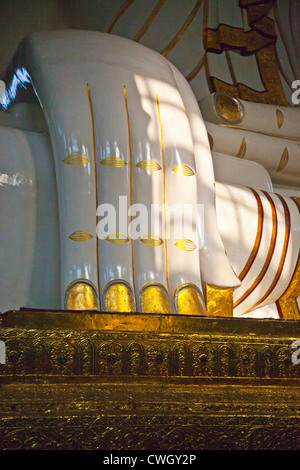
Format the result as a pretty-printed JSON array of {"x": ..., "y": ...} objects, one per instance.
[{"x": 87, "y": 380}]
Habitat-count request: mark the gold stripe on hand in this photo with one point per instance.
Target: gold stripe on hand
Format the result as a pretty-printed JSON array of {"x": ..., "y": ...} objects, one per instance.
[{"x": 164, "y": 188}]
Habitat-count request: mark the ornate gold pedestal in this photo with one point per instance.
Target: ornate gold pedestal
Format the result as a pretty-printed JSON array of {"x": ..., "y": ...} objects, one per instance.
[{"x": 130, "y": 381}]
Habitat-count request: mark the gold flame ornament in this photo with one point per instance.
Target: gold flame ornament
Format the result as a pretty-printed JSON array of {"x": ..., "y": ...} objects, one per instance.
[
  {"x": 183, "y": 170},
  {"x": 117, "y": 238},
  {"x": 279, "y": 117},
  {"x": 115, "y": 162},
  {"x": 149, "y": 165},
  {"x": 76, "y": 159},
  {"x": 152, "y": 240},
  {"x": 284, "y": 159},
  {"x": 80, "y": 236},
  {"x": 186, "y": 245}
]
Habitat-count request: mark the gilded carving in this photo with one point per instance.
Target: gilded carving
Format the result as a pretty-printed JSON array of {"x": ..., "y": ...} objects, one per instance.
[{"x": 216, "y": 387}]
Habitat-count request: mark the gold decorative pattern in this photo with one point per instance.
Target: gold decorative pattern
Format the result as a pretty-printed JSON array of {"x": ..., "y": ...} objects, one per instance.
[
  {"x": 283, "y": 254},
  {"x": 219, "y": 301},
  {"x": 81, "y": 296},
  {"x": 269, "y": 254},
  {"x": 270, "y": 134},
  {"x": 284, "y": 159},
  {"x": 118, "y": 15},
  {"x": 202, "y": 62},
  {"x": 260, "y": 41},
  {"x": 260, "y": 222},
  {"x": 154, "y": 299},
  {"x": 283, "y": 38},
  {"x": 118, "y": 297},
  {"x": 149, "y": 165},
  {"x": 80, "y": 236},
  {"x": 183, "y": 170},
  {"x": 87, "y": 381},
  {"x": 247, "y": 41},
  {"x": 76, "y": 159},
  {"x": 115, "y": 162},
  {"x": 117, "y": 238},
  {"x": 229, "y": 108},
  {"x": 287, "y": 304},
  {"x": 186, "y": 245},
  {"x": 149, "y": 20},
  {"x": 183, "y": 29},
  {"x": 189, "y": 301},
  {"x": 152, "y": 240},
  {"x": 279, "y": 117},
  {"x": 242, "y": 150}
]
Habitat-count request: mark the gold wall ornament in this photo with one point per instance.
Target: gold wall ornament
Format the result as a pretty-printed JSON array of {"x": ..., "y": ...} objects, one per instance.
[
  {"x": 183, "y": 29},
  {"x": 183, "y": 170},
  {"x": 152, "y": 240},
  {"x": 279, "y": 117},
  {"x": 149, "y": 20},
  {"x": 113, "y": 161},
  {"x": 117, "y": 238},
  {"x": 219, "y": 301},
  {"x": 216, "y": 40},
  {"x": 81, "y": 295},
  {"x": 259, "y": 40},
  {"x": 153, "y": 298},
  {"x": 284, "y": 159},
  {"x": 76, "y": 159},
  {"x": 186, "y": 245},
  {"x": 80, "y": 236},
  {"x": 242, "y": 150},
  {"x": 203, "y": 62},
  {"x": 229, "y": 108},
  {"x": 118, "y": 297},
  {"x": 189, "y": 301},
  {"x": 149, "y": 165}
]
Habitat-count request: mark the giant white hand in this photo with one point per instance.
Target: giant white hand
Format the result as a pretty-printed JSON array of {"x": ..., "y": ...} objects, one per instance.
[{"x": 123, "y": 121}]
